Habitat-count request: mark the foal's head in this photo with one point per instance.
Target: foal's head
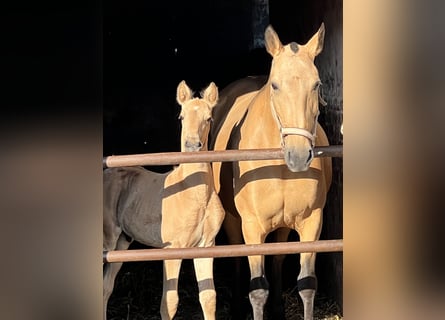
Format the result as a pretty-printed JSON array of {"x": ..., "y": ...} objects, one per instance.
[
  {"x": 195, "y": 116},
  {"x": 294, "y": 95}
]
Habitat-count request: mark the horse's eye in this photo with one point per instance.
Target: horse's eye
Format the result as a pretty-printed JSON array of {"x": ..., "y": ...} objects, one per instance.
[
  {"x": 181, "y": 117},
  {"x": 274, "y": 86},
  {"x": 209, "y": 119},
  {"x": 317, "y": 85}
]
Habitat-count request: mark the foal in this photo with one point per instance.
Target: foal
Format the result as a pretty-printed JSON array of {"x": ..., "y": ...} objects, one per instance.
[{"x": 177, "y": 209}]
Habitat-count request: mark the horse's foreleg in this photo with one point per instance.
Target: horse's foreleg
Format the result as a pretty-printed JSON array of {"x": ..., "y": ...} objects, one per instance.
[
  {"x": 275, "y": 303},
  {"x": 259, "y": 287},
  {"x": 170, "y": 298},
  {"x": 110, "y": 272},
  {"x": 232, "y": 228},
  {"x": 307, "y": 280},
  {"x": 207, "y": 293}
]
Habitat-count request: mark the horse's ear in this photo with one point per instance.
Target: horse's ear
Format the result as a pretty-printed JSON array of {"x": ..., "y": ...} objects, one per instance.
[
  {"x": 211, "y": 94},
  {"x": 183, "y": 93},
  {"x": 273, "y": 43},
  {"x": 315, "y": 44}
]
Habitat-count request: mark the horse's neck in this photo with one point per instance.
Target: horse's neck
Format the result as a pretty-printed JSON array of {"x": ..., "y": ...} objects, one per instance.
[
  {"x": 188, "y": 169},
  {"x": 260, "y": 128}
]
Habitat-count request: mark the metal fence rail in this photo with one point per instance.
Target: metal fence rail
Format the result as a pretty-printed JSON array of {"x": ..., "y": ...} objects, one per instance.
[
  {"x": 171, "y": 158},
  {"x": 223, "y": 251}
]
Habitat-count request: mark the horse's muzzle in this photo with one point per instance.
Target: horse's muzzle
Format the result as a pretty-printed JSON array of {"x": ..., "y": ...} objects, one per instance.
[{"x": 298, "y": 160}]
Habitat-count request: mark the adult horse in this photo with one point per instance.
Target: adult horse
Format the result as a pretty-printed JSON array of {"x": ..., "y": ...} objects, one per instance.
[
  {"x": 177, "y": 209},
  {"x": 263, "y": 196}
]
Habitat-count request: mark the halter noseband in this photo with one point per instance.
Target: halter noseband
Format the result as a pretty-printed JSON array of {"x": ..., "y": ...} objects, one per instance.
[
  {"x": 286, "y": 131},
  {"x": 298, "y": 132}
]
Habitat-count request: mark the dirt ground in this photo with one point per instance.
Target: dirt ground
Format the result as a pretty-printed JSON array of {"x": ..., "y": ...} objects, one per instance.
[{"x": 138, "y": 289}]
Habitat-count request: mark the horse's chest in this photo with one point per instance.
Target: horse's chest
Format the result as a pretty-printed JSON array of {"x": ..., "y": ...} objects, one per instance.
[
  {"x": 277, "y": 199},
  {"x": 184, "y": 215}
]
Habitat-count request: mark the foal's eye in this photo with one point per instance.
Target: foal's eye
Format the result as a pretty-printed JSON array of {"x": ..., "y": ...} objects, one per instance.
[
  {"x": 181, "y": 117},
  {"x": 274, "y": 86}
]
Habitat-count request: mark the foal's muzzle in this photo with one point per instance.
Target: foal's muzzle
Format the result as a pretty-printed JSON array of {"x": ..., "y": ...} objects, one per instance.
[{"x": 193, "y": 145}]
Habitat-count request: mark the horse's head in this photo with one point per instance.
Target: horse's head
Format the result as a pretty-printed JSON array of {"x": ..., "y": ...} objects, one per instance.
[
  {"x": 294, "y": 95},
  {"x": 195, "y": 116}
]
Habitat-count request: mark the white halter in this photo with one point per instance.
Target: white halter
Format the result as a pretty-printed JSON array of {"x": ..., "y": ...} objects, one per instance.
[{"x": 286, "y": 131}]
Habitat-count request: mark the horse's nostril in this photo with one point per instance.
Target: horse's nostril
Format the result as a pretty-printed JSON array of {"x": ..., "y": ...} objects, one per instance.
[
  {"x": 309, "y": 158},
  {"x": 290, "y": 159},
  {"x": 193, "y": 145}
]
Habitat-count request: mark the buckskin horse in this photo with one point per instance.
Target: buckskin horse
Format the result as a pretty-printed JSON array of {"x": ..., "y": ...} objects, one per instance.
[
  {"x": 275, "y": 195},
  {"x": 177, "y": 209}
]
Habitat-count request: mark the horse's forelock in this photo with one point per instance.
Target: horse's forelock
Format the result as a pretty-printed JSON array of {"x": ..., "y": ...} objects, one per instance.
[{"x": 294, "y": 47}]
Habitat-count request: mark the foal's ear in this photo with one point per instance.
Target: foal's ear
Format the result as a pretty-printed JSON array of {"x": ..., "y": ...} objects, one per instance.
[
  {"x": 183, "y": 93},
  {"x": 211, "y": 94},
  {"x": 273, "y": 43},
  {"x": 315, "y": 44}
]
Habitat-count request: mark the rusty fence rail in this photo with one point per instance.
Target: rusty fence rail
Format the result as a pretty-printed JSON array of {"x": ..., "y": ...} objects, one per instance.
[
  {"x": 171, "y": 158},
  {"x": 221, "y": 251}
]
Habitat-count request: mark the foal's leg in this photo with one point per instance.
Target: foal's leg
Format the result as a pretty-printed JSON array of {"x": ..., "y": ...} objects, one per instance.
[
  {"x": 110, "y": 271},
  {"x": 259, "y": 287},
  {"x": 207, "y": 293},
  {"x": 170, "y": 298},
  {"x": 307, "y": 280}
]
